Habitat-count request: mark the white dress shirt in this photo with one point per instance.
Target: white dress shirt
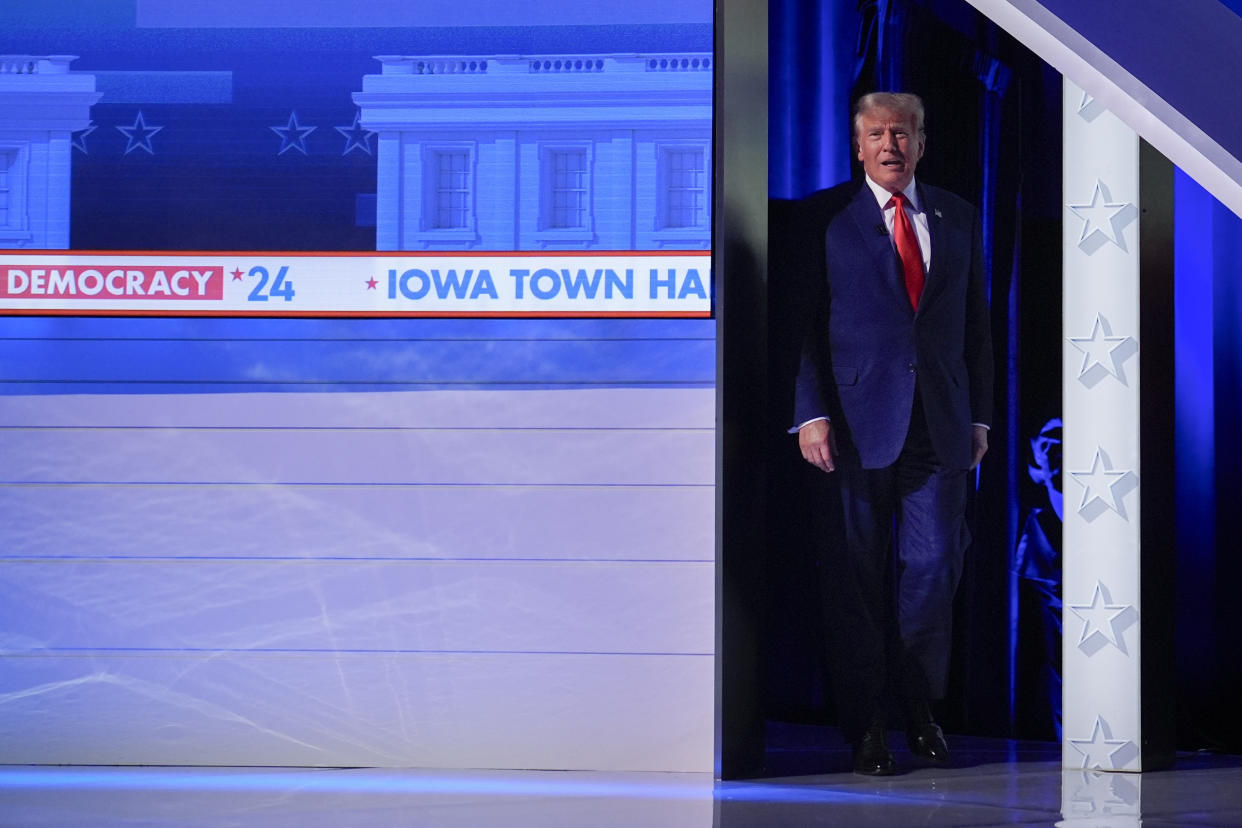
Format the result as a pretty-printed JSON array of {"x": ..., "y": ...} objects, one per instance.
[{"x": 913, "y": 209}]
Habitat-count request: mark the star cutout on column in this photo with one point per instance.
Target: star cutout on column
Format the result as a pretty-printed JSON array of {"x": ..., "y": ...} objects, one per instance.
[
  {"x": 139, "y": 135},
  {"x": 356, "y": 136},
  {"x": 1103, "y": 354},
  {"x": 79, "y": 137},
  {"x": 1104, "y": 220},
  {"x": 1104, "y": 488},
  {"x": 292, "y": 135},
  {"x": 1101, "y": 750},
  {"x": 1103, "y": 621},
  {"x": 1089, "y": 107}
]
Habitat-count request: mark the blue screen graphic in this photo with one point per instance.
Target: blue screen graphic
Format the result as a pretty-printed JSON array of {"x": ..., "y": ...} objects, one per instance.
[{"x": 233, "y": 126}]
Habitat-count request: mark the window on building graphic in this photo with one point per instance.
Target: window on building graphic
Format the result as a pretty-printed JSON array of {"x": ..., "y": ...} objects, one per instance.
[
  {"x": 685, "y": 192},
  {"x": 567, "y": 189},
  {"x": 13, "y": 171},
  {"x": 8, "y": 171},
  {"x": 450, "y": 195}
]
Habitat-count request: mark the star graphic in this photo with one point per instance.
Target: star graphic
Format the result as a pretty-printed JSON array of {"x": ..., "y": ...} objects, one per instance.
[
  {"x": 1089, "y": 107},
  {"x": 139, "y": 135},
  {"x": 79, "y": 137},
  {"x": 1103, "y": 219},
  {"x": 356, "y": 136},
  {"x": 1103, "y": 354},
  {"x": 371, "y": 283},
  {"x": 1103, "y": 488},
  {"x": 1100, "y": 750},
  {"x": 1102, "y": 621},
  {"x": 237, "y": 274},
  {"x": 292, "y": 135}
]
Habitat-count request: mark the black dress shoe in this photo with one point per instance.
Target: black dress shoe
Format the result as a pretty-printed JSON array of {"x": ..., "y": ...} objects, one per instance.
[
  {"x": 924, "y": 736},
  {"x": 871, "y": 754},
  {"x": 928, "y": 743}
]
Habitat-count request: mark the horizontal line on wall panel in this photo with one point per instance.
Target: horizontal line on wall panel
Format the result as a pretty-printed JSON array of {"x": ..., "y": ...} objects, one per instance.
[
  {"x": 331, "y": 484},
  {"x": 80, "y": 652},
  {"x": 17, "y": 388},
  {"x": 697, "y": 429},
  {"x": 517, "y": 383},
  {"x": 342, "y": 559},
  {"x": 394, "y": 338}
]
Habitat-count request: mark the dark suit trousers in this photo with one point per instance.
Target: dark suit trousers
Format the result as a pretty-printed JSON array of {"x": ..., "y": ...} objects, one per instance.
[{"x": 890, "y": 604}]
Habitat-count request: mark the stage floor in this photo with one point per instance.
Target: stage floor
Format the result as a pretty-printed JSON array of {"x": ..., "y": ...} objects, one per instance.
[{"x": 994, "y": 783}]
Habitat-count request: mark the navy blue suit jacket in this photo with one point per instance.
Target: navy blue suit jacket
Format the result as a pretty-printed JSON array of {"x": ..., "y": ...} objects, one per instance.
[{"x": 867, "y": 347}]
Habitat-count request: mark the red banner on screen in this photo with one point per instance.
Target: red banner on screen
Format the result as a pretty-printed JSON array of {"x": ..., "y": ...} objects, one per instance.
[{"x": 169, "y": 283}]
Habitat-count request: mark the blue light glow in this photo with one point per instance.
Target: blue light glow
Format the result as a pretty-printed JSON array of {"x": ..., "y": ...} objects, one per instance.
[
  {"x": 352, "y": 780},
  {"x": 510, "y": 784}
]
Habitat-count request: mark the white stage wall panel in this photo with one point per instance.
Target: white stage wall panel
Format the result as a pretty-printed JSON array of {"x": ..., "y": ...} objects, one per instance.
[{"x": 436, "y": 578}]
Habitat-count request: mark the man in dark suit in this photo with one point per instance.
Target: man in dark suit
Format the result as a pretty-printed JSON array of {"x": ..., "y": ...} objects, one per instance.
[{"x": 894, "y": 395}]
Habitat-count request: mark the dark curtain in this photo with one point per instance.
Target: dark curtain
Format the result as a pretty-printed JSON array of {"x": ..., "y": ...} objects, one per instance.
[{"x": 1208, "y": 443}]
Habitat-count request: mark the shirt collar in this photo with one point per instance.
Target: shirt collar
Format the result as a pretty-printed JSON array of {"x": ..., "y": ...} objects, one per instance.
[{"x": 882, "y": 195}]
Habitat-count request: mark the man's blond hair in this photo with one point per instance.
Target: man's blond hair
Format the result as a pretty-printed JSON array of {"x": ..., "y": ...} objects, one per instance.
[{"x": 904, "y": 102}]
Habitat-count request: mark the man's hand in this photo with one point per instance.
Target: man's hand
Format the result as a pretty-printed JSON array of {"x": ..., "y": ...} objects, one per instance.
[
  {"x": 818, "y": 444},
  {"x": 980, "y": 445}
]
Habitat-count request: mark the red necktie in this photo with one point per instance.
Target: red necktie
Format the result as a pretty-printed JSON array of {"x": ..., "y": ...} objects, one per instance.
[{"x": 908, "y": 249}]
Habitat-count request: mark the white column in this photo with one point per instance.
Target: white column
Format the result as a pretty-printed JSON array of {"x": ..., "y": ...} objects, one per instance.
[
  {"x": 1100, "y": 580},
  {"x": 389, "y": 184}
]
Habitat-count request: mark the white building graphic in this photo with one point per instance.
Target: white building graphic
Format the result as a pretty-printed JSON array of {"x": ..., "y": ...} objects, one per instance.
[
  {"x": 567, "y": 152},
  {"x": 41, "y": 105}
]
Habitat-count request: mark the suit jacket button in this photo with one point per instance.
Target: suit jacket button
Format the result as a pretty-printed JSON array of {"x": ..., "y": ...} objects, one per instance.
[{"x": 912, "y": 367}]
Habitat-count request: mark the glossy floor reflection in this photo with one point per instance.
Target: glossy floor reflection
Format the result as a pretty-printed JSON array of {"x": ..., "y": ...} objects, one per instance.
[{"x": 995, "y": 783}]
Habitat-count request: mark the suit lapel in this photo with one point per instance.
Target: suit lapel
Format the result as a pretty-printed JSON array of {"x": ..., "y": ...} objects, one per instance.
[
  {"x": 869, "y": 221},
  {"x": 941, "y": 239}
]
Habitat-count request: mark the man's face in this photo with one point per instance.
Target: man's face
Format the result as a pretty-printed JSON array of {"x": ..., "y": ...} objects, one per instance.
[{"x": 889, "y": 147}]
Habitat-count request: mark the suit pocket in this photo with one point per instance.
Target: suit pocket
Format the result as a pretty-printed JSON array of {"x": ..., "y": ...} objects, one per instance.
[{"x": 844, "y": 376}]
